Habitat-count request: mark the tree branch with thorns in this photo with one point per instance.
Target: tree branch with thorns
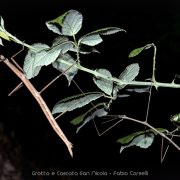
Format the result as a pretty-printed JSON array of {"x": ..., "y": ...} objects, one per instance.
[{"x": 64, "y": 55}]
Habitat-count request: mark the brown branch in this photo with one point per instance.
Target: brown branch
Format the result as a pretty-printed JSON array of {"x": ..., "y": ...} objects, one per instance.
[
  {"x": 40, "y": 101},
  {"x": 50, "y": 83},
  {"x": 12, "y": 58},
  {"x": 45, "y": 87},
  {"x": 154, "y": 129},
  {"x": 16, "y": 88}
]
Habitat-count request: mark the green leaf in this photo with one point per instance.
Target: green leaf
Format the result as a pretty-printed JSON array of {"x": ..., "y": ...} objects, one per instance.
[
  {"x": 44, "y": 56},
  {"x": 1, "y": 43},
  {"x": 127, "y": 139},
  {"x": 59, "y": 40},
  {"x": 72, "y": 23},
  {"x": 80, "y": 118},
  {"x": 97, "y": 113},
  {"x": 116, "y": 95},
  {"x": 53, "y": 27},
  {"x": 129, "y": 74},
  {"x": 68, "y": 70},
  {"x": 138, "y": 90},
  {"x": 137, "y": 51},
  {"x": 74, "y": 102},
  {"x": 4, "y": 36},
  {"x": 83, "y": 49},
  {"x": 123, "y": 95},
  {"x": 175, "y": 118},
  {"x": 87, "y": 50},
  {"x": 104, "y": 84},
  {"x": 54, "y": 24},
  {"x": 59, "y": 20},
  {"x": 161, "y": 130},
  {"x": 93, "y": 38},
  {"x": 2, "y": 22},
  {"x": 109, "y": 30},
  {"x": 47, "y": 56},
  {"x": 30, "y": 68},
  {"x": 143, "y": 141}
]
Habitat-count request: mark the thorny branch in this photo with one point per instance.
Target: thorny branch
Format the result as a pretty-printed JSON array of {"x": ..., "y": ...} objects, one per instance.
[
  {"x": 17, "y": 70},
  {"x": 40, "y": 101}
]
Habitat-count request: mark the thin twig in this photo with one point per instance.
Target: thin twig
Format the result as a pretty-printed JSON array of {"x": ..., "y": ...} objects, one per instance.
[
  {"x": 57, "y": 77},
  {"x": 154, "y": 129},
  {"x": 120, "y": 82},
  {"x": 44, "y": 88},
  {"x": 174, "y": 135},
  {"x": 162, "y": 147},
  {"x": 50, "y": 83},
  {"x": 41, "y": 103},
  {"x": 17, "y": 65},
  {"x": 154, "y": 64},
  {"x": 60, "y": 115},
  {"x": 165, "y": 152},
  {"x": 12, "y": 58},
  {"x": 148, "y": 106},
  {"x": 109, "y": 128},
  {"x": 167, "y": 148},
  {"x": 16, "y": 88},
  {"x": 175, "y": 130}
]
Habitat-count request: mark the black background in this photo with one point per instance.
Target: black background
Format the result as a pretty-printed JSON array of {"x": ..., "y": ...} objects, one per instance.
[{"x": 145, "y": 22}]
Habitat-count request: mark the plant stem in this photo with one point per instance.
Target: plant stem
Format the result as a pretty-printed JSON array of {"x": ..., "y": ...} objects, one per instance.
[
  {"x": 154, "y": 63},
  {"x": 120, "y": 82},
  {"x": 154, "y": 129},
  {"x": 50, "y": 83},
  {"x": 16, "y": 40},
  {"x": 115, "y": 80},
  {"x": 40, "y": 101},
  {"x": 16, "y": 88}
]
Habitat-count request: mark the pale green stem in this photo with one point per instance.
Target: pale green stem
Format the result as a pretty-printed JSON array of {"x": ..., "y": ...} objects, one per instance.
[
  {"x": 16, "y": 40},
  {"x": 154, "y": 63},
  {"x": 77, "y": 46},
  {"x": 120, "y": 82},
  {"x": 115, "y": 80}
]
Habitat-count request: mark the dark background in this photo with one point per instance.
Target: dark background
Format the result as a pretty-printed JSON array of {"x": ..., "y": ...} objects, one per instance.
[{"x": 33, "y": 144}]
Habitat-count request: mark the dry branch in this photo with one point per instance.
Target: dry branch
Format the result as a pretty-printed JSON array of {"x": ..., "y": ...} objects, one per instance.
[{"x": 40, "y": 101}]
